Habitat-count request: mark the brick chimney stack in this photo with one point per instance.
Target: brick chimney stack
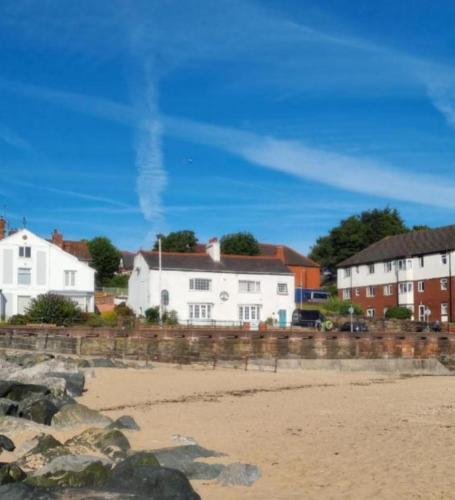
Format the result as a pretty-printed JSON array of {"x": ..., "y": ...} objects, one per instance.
[
  {"x": 2, "y": 228},
  {"x": 57, "y": 238},
  {"x": 280, "y": 253},
  {"x": 213, "y": 249}
]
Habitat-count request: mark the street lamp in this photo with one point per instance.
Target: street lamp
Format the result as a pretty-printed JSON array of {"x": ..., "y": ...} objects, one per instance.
[
  {"x": 160, "y": 313},
  {"x": 351, "y": 312}
]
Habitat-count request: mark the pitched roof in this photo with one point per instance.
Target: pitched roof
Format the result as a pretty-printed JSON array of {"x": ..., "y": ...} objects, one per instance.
[
  {"x": 128, "y": 260},
  {"x": 291, "y": 257},
  {"x": 229, "y": 263},
  {"x": 77, "y": 248},
  {"x": 406, "y": 245}
]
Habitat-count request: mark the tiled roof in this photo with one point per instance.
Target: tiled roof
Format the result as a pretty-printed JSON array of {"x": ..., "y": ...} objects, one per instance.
[
  {"x": 291, "y": 257},
  {"x": 228, "y": 264},
  {"x": 128, "y": 260},
  {"x": 406, "y": 245},
  {"x": 77, "y": 248}
]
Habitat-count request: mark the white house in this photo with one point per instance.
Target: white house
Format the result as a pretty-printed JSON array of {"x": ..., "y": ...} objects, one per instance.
[
  {"x": 210, "y": 287},
  {"x": 31, "y": 266}
]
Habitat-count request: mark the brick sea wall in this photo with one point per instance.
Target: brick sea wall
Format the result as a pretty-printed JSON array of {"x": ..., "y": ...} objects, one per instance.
[{"x": 208, "y": 346}]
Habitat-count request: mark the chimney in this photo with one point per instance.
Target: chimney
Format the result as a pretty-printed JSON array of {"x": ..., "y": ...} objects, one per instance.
[
  {"x": 213, "y": 249},
  {"x": 57, "y": 238},
  {"x": 280, "y": 253},
  {"x": 2, "y": 228}
]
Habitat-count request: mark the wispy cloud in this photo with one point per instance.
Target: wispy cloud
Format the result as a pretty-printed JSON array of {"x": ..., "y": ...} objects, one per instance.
[{"x": 10, "y": 137}]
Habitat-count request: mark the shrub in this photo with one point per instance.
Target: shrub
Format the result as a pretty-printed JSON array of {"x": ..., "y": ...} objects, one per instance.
[
  {"x": 337, "y": 306},
  {"x": 54, "y": 309},
  {"x": 18, "y": 319},
  {"x": 170, "y": 318},
  {"x": 152, "y": 315},
  {"x": 398, "y": 313},
  {"x": 109, "y": 318},
  {"x": 123, "y": 311},
  {"x": 95, "y": 320},
  {"x": 117, "y": 281}
]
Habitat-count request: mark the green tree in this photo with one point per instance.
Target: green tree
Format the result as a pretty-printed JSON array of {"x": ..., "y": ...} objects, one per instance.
[
  {"x": 178, "y": 241},
  {"x": 105, "y": 258},
  {"x": 420, "y": 227},
  {"x": 53, "y": 309},
  {"x": 354, "y": 234},
  {"x": 398, "y": 313},
  {"x": 240, "y": 244}
]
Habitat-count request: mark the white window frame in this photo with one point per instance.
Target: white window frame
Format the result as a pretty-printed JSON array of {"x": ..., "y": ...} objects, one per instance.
[
  {"x": 422, "y": 261},
  {"x": 444, "y": 258},
  {"x": 357, "y": 292},
  {"x": 347, "y": 272},
  {"x": 25, "y": 252},
  {"x": 249, "y": 312},
  {"x": 444, "y": 284},
  {"x": 405, "y": 287},
  {"x": 385, "y": 311},
  {"x": 444, "y": 311},
  {"x": 388, "y": 266},
  {"x": 282, "y": 289},
  {"x": 201, "y": 284},
  {"x": 249, "y": 286},
  {"x": 24, "y": 271},
  {"x": 371, "y": 313},
  {"x": 371, "y": 291},
  {"x": 70, "y": 278},
  {"x": 371, "y": 268},
  {"x": 347, "y": 294},
  {"x": 421, "y": 286},
  {"x": 200, "y": 311},
  {"x": 388, "y": 290}
]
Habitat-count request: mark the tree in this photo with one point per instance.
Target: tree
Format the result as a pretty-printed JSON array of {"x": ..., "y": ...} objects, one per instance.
[
  {"x": 240, "y": 244},
  {"x": 354, "y": 234},
  {"x": 398, "y": 313},
  {"x": 420, "y": 227},
  {"x": 105, "y": 258},
  {"x": 53, "y": 309},
  {"x": 178, "y": 241}
]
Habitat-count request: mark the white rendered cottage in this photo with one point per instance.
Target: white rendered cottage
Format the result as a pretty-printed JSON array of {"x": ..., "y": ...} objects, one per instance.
[
  {"x": 209, "y": 287},
  {"x": 31, "y": 266}
]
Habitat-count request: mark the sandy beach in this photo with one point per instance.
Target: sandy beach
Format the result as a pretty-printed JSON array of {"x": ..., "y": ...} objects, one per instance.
[{"x": 313, "y": 434}]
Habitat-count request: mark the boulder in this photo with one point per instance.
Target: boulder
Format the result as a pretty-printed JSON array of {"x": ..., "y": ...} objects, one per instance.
[
  {"x": 76, "y": 414},
  {"x": 75, "y": 382},
  {"x": 6, "y": 444},
  {"x": 110, "y": 442},
  {"x": 239, "y": 475},
  {"x": 12, "y": 425},
  {"x": 11, "y": 473},
  {"x": 72, "y": 472},
  {"x": 102, "y": 363},
  {"x": 183, "y": 458},
  {"x": 124, "y": 422},
  {"x": 154, "y": 482},
  {"x": 141, "y": 458},
  {"x": 52, "y": 385},
  {"x": 46, "y": 448},
  {"x": 21, "y": 491},
  {"x": 40, "y": 411},
  {"x": 18, "y": 391},
  {"x": 8, "y": 407}
]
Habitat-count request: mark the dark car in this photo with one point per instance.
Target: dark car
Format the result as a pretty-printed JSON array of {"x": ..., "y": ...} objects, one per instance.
[
  {"x": 307, "y": 317},
  {"x": 357, "y": 326},
  {"x": 429, "y": 327}
]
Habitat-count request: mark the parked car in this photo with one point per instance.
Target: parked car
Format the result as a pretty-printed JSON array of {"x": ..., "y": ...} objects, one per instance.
[
  {"x": 432, "y": 327},
  {"x": 357, "y": 326},
  {"x": 312, "y": 318}
]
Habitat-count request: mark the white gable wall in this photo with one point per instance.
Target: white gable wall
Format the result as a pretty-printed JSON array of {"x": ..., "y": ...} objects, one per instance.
[{"x": 46, "y": 265}]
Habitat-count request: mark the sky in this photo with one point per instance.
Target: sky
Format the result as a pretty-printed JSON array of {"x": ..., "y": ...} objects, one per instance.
[{"x": 128, "y": 118}]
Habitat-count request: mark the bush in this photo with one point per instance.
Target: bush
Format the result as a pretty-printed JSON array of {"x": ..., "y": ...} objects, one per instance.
[
  {"x": 337, "y": 306},
  {"x": 54, "y": 309},
  {"x": 110, "y": 318},
  {"x": 95, "y": 320},
  {"x": 123, "y": 311},
  {"x": 18, "y": 319},
  {"x": 117, "y": 281},
  {"x": 398, "y": 313},
  {"x": 152, "y": 316},
  {"x": 170, "y": 318}
]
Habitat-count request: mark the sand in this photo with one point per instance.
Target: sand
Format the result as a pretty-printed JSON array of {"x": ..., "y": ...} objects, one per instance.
[{"x": 313, "y": 434}]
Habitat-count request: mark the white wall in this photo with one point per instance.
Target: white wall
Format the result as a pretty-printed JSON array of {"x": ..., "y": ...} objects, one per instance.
[
  {"x": 47, "y": 265},
  {"x": 141, "y": 296}
]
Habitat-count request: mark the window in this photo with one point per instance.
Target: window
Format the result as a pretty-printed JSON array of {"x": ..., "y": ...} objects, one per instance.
[
  {"x": 388, "y": 266},
  {"x": 24, "y": 276},
  {"x": 371, "y": 269},
  {"x": 346, "y": 294},
  {"x": 444, "y": 258},
  {"x": 422, "y": 261},
  {"x": 403, "y": 264},
  {"x": 347, "y": 272},
  {"x": 249, "y": 313},
  {"x": 70, "y": 278},
  {"x": 357, "y": 269},
  {"x": 282, "y": 288},
  {"x": 25, "y": 252},
  {"x": 370, "y": 313},
  {"x": 385, "y": 311},
  {"x": 388, "y": 290},
  {"x": 200, "y": 311},
  {"x": 246, "y": 286},
  {"x": 444, "y": 312},
  {"x": 200, "y": 284},
  {"x": 421, "y": 286},
  {"x": 357, "y": 292},
  {"x": 164, "y": 298},
  {"x": 444, "y": 282},
  {"x": 405, "y": 287},
  {"x": 371, "y": 291}
]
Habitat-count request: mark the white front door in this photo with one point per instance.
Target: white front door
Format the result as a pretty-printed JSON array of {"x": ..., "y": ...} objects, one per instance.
[
  {"x": 422, "y": 310},
  {"x": 23, "y": 302}
]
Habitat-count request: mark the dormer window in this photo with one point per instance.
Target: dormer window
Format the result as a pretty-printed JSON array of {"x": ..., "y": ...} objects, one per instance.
[{"x": 25, "y": 252}]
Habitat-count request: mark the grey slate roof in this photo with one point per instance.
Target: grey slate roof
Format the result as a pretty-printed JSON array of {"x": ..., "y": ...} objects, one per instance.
[
  {"x": 128, "y": 261},
  {"x": 405, "y": 245},
  {"x": 228, "y": 264}
]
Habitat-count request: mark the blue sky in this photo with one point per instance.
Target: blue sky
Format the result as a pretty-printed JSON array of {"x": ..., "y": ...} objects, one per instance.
[{"x": 128, "y": 118}]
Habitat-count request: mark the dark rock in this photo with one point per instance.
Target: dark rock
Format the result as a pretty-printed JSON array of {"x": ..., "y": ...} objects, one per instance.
[
  {"x": 76, "y": 414},
  {"x": 239, "y": 475},
  {"x": 83, "y": 363},
  {"x": 8, "y": 407},
  {"x": 124, "y": 422},
  {"x": 6, "y": 444},
  {"x": 183, "y": 458},
  {"x": 110, "y": 442},
  {"x": 46, "y": 449},
  {"x": 92, "y": 474},
  {"x": 21, "y": 491},
  {"x": 40, "y": 411},
  {"x": 17, "y": 391},
  {"x": 75, "y": 382},
  {"x": 102, "y": 363},
  {"x": 11, "y": 473},
  {"x": 156, "y": 483},
  {"x": 141, "y": 458}
]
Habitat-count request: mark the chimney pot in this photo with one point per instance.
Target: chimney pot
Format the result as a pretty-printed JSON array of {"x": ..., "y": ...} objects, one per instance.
[
  {"x": 2, "y": 228},
  {"x": 57, "y": 238}
]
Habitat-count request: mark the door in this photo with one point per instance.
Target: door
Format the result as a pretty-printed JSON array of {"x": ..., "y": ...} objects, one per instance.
[
  {"x": 282, "y": 318},
  {"x": 23, "y": 302},
  {"x": 422, "y": 310}
]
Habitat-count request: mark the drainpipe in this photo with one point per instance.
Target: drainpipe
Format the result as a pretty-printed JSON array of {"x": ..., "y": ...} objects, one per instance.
[
  {"x": 159, "y": 282},
  {"x": 450, "y": 286}
]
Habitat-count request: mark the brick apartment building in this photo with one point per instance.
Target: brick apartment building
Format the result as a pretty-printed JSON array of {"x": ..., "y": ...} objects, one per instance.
[{"x": 413, "y": 270}]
